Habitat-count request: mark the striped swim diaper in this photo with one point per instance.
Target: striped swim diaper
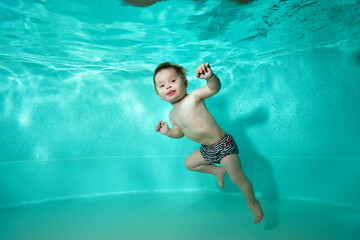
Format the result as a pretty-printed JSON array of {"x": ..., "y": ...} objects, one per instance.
[{"x": 217, "y": 151}]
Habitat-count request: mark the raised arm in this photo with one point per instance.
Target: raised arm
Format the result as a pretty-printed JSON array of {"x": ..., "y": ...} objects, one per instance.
[{"x": 213, "y": 83}]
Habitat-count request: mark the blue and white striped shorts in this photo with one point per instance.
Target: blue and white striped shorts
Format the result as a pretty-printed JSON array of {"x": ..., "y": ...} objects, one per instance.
[{"x": 217, "y": 151}]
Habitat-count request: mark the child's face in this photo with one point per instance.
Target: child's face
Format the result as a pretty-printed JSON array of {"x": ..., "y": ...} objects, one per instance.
[{"x": 170, "y": 86}]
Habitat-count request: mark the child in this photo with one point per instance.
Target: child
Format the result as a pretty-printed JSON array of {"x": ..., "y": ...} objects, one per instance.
[{"x": 191, "y": 118}]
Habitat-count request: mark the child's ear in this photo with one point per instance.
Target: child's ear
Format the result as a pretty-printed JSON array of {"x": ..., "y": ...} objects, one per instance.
[{"x": 186, "y": 83}]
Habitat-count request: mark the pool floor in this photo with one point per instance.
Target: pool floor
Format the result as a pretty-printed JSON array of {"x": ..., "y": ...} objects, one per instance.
[{"x": 185, "y": 215}]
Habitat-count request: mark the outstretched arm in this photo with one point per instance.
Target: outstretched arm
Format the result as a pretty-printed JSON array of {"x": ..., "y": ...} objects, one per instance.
[{"x": 213, "y": 84}]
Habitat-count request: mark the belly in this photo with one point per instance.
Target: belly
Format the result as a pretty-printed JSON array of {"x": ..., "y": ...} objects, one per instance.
[
  {"x": 205, "y": 136},
  {"x": 198, "y": 124}
]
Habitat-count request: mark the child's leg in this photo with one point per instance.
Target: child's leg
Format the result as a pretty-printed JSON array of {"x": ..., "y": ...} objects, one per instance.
[
  {"x": 232, "y": 166},
  {"x": 195, "y": 162}
]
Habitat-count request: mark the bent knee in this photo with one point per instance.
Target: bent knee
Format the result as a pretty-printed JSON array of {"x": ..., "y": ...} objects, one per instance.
[{"x": 190, "y": 165}]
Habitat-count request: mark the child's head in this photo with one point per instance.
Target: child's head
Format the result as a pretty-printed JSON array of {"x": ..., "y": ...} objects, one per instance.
[
  {"x": 170, "y": 82},
  {"x": 168, "y": 65}
]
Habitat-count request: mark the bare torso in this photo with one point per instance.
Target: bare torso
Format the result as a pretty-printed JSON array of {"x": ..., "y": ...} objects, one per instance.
[{"x": 195, "y": 121}]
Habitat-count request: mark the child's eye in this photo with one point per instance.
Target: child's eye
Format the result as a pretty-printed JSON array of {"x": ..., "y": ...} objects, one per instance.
[
  {"x": 161, "y": 86},
  {"x": 174, "y": 80}
]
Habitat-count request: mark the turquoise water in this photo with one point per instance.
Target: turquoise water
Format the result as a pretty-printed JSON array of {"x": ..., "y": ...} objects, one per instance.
[{"x": 79, "y": 157}]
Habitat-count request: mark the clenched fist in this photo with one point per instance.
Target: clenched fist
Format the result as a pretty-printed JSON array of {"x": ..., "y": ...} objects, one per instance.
[{"x": 162, "y": 127}]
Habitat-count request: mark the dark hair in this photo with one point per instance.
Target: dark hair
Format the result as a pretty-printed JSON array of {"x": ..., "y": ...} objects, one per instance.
[{"x": 166, "y": 65}]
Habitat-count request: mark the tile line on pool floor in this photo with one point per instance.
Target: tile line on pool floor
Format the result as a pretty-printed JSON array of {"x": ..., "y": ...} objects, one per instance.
[
  {"x": 168, "y": 156},
  {"x": 164, "y": 191}
]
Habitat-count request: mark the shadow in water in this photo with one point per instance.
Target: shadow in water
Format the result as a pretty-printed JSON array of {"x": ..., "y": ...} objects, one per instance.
[
  {"x": 358, "y": 57},
  {"x": 141, "y": 3},
  {"x": 256, "y": 167},
  {"x": 243, "y": 1},
  {"x": 145, "y": 3}
]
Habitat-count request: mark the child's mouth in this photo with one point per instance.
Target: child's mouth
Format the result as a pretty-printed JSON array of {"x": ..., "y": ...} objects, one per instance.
[{"x": 171, "y": 93}]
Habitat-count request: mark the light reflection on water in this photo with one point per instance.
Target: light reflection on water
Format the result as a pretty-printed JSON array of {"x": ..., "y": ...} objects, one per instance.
[{"x": 57, "y": 51}]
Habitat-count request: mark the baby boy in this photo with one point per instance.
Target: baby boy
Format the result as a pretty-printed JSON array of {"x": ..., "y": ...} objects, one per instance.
[{"x": 190, "y": 117}]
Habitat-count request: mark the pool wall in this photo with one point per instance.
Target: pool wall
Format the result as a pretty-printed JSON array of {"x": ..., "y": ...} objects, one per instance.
[{"x": 295, "y": 117}]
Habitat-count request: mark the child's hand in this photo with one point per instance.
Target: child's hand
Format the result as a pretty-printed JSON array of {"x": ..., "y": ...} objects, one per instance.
[
  {"x": 204, "y": 71},
  {"x": 162, "y": 127}
]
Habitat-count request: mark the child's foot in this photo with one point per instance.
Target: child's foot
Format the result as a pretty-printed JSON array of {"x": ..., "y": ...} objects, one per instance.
[
  {"x": 257, "y": 211},
  {"x": 220, "y": 177}
]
